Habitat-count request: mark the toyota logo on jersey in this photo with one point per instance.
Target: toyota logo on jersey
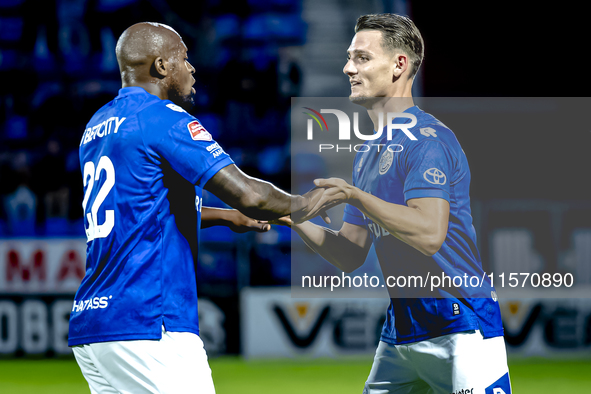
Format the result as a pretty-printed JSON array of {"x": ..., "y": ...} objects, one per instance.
[{"x": 435, "y": 176}]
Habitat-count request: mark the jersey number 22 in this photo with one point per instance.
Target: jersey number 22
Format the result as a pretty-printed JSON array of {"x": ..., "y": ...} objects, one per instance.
[{"x": 91, "y": 174}]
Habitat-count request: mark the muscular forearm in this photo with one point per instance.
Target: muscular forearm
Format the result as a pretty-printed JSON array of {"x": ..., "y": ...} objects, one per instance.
[
  {"x": 253, "y": 197},
  {"x": 215, "y": 217},
  {"x": 422, "y": 229},
  {"x": 267, "y": 202},
  {"x": 332, "y": 246},
  {"x": 231, "y": 218}
]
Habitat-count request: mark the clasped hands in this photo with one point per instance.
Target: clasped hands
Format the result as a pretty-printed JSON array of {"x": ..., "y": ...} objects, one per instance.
[{"x": 326, "y": 194}]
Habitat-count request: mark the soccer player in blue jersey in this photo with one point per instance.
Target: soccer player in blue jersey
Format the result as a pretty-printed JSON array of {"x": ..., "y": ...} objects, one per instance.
[
  {"x": 411, "y": 200},
  {"x": 134, "y": 323}
]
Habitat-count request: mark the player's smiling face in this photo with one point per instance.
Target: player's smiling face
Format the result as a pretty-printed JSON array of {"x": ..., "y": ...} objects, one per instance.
[{"x": 369, "y": 66}]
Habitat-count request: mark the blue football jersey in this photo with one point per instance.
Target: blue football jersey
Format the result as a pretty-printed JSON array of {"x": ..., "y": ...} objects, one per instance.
[
  {"x": 140, "y": 272},
  {"x": 433, "y": 165}
]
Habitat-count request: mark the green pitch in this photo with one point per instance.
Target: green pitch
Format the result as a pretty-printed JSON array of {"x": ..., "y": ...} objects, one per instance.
[{"x": 233, "y": 375}]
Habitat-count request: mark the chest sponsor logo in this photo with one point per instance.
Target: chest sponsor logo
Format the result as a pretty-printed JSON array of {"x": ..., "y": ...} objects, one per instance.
[
  {"x": 385, "y": 162},
  {"x": 198, "y": 132},
  {"x": 377, "y": 230},
  {"x": 435, "y": 176}
]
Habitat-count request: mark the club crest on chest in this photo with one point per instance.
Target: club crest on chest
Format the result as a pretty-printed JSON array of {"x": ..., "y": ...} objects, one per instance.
[{"x": 385, "y": 161}]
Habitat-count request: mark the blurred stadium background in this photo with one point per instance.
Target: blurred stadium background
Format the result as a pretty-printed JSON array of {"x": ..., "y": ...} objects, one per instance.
[{"x": 531, "y": 203}]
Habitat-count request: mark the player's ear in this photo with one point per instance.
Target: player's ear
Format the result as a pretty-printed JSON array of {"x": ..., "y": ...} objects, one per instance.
[
  {"x": 159, "y": 68},
  {"x": 399, "y": 65}
]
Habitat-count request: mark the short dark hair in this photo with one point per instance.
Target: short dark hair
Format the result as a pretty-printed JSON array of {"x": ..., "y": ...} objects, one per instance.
[{"x": 399, "y": 32}]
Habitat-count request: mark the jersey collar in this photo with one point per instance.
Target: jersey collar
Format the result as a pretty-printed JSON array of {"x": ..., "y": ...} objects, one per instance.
[{"x": 131, "y": 90}]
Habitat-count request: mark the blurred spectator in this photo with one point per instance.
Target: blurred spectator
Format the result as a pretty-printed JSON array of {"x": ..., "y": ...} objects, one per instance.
[
  {"x": 20, "y": 203},
  {"x": 50, "y": 183}
]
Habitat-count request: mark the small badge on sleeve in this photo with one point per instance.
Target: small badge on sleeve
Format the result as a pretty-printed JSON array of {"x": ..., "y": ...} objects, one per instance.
[
  {"x": 198, "y": 132},
  {"x": 456, "y": 308},
  {"x": 435, "y": 176}
]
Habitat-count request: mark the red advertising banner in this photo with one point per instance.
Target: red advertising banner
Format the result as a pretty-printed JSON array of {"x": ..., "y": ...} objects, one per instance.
[{"x": 42, "y": 266}]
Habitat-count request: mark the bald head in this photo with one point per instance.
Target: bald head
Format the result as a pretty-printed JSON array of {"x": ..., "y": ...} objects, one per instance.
[
  {"x": 140, "y": 45},
  {"x": 154, "y": 57}
]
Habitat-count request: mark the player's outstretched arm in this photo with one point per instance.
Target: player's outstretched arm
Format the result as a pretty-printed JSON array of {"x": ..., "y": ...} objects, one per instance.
[
  {"x": 346, "y": 249},
  {"x": 256, "y": 198},
  {"x": 232, "y": 218},
  {"x": 422, "y": 223}
]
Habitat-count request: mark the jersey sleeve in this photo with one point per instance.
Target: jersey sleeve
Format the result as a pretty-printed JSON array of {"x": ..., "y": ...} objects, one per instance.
[
  {"x": 188, "y": 147},
  {"x": 429, "y": 167},
  {"x": 353, "y": 215}
]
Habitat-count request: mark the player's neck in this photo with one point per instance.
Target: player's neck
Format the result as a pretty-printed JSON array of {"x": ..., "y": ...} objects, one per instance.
[
  {"x": 151, "y": 88},
  {"x": 386, "y": 105}
]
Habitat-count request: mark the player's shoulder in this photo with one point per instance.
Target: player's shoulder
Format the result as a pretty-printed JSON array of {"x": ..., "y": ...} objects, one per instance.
[
  {"x": 130, "y": 102},
  {"x": 174, "y": 121},
  {"x": 429, "y": 127},
  {"x": 164, "y": 113},
  {"x": 101, "y": 113}
]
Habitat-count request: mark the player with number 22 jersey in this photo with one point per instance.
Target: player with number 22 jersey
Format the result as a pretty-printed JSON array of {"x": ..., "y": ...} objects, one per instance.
[
  {"x": 141, "y": 274},
  {"x": 134, "y": 323}
]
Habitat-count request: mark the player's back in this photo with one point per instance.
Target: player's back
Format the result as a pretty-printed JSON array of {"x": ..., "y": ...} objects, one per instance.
[
  {"x": 116, "y": 176},
  {"x": 139, "y": 269}
]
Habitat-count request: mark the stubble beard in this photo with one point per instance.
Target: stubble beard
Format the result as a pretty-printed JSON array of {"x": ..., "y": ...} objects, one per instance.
[
  {"x": 185, "y": 101},
  {"x": 364, "y": 101}
]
